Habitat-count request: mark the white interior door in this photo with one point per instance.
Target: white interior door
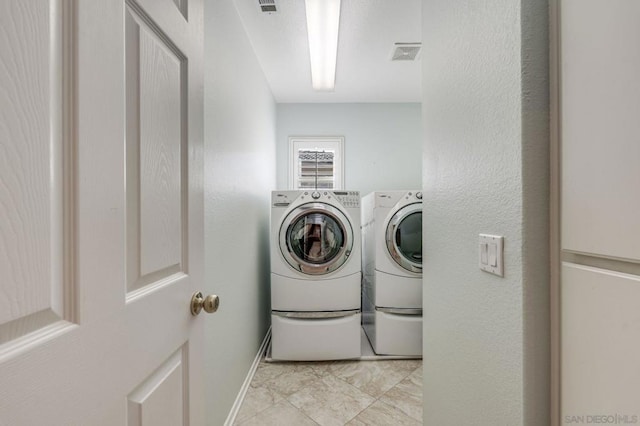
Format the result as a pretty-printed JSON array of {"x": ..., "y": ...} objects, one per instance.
[
  {"x": 100, "y": 212},
  {"x": 599, "y": 250}
]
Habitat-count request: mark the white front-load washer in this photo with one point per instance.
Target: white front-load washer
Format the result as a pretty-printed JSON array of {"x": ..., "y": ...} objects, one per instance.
[
  {"x": 315, "y": 275},
  {"x": 392, "y": 271}
]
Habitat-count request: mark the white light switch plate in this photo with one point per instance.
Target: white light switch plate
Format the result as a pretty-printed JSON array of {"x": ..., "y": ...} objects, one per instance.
[{"x": 490, "y": 257}]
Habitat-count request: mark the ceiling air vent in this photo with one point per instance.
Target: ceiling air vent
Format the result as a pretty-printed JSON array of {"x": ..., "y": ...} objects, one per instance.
[
  {"x": 406, "y": 51},
  {"x": 267, "y": 5}
]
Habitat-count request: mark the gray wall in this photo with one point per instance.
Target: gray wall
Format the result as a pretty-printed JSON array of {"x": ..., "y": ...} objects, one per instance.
[
  {"x": 485, "y": 112},
  {"x": 240, "y": 117},
  {"x": 382, "y": 142}
]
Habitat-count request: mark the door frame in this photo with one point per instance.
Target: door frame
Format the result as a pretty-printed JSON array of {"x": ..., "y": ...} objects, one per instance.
[{"x": 554, "y": 211}]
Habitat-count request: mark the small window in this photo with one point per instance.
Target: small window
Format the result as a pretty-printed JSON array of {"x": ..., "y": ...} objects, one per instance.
[{"x": 316, "y": 162}]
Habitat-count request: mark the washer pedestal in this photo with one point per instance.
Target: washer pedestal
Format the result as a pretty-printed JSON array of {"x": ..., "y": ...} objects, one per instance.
[{"x": 296, "y": 339}]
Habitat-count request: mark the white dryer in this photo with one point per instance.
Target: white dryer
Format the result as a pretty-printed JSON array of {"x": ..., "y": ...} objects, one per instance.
[
  {"x": 315, "y": 275},
  {"x": 392, "y": 271}
]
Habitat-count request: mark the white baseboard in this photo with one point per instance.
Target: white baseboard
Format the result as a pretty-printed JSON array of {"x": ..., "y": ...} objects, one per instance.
[{"x": 247, "y": 381}]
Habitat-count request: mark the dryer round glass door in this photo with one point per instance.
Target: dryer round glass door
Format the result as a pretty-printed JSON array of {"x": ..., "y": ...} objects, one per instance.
[
  {"x": 316, "y": 238},
  {"x": 404, "y": 237}
]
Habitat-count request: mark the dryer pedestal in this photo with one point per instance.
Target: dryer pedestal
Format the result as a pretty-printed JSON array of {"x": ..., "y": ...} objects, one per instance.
[
  {"x": 393, "y": 334},
  {"x": 317, "y": 339}
]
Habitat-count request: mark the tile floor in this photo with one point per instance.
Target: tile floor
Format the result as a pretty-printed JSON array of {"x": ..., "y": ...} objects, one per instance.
[{"x": 381, "y": 392}]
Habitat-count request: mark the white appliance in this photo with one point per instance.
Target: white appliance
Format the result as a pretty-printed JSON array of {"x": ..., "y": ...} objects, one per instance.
[
  {"x": 392, "y": 272},
  {"x": 315, "y": 275}
]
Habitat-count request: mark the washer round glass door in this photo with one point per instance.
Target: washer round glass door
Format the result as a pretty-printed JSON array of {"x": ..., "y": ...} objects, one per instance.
[
  {"x": 404, "y": 237},
  {"x": 316, "y": 238}
]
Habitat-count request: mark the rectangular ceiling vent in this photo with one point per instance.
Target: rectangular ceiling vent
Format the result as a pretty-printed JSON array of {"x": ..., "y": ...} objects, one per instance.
[
  {"x": 406, "y": 51},
  {"x": 268, "y": 5}
]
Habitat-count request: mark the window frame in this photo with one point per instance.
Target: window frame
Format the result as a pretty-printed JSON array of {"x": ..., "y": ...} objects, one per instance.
[{"x": 333, "y": 143}]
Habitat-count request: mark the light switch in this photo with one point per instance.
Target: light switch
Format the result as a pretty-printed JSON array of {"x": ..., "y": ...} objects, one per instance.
[
  {"x": 484, "y": 254},
  {"x": 491, "y": 254}
]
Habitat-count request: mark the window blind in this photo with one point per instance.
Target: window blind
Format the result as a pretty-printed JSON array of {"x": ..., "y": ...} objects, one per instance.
[{"x": 316, "y": 169}]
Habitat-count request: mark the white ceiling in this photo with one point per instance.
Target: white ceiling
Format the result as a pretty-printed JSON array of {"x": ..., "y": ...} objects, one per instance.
[{"x": 365, "y": 72}]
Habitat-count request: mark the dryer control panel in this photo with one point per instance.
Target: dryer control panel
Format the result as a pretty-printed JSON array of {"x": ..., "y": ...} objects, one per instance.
[
  {"x": 285, "y": 198},
  {"x": 348, "y": 198}
]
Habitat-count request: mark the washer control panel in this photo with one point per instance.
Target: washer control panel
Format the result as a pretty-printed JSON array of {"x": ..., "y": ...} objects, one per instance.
[{"x": 282, "y": 198}]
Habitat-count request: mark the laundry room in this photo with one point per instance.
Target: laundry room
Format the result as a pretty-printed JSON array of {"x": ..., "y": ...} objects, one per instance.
[
  {"x": 319, "y": 212},
  {"x": 249, "y": 155},
  {"x": 249, "y": 133}
]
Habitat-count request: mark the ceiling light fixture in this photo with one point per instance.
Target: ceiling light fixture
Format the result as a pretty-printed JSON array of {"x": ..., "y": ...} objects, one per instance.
[{"x": 323, "y": 21}]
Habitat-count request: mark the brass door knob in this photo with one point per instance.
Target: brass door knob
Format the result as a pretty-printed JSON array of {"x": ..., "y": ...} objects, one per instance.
[{"x": 209, "y": 304}]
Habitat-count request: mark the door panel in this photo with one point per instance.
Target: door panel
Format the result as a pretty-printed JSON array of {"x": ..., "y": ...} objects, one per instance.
[
  {"x": 156, "y": 141},
  {"x": 160, "y": 152},
  {"x": 158, "y": 401},
  {"x": 34, "y": 240},
  {"x": 100, "y": 226},
  {"x": 600, "y": 129},
  {"x": 600, "y": 323}
]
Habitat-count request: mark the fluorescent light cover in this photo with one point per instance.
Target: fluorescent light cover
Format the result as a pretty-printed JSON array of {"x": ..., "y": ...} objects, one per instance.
[{"x": 323, "y": 20}]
